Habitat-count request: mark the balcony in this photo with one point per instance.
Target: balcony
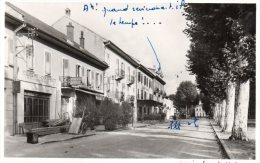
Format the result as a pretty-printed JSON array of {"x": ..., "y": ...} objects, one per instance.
[
  {"x": 67, "y": 81},
  {"x": 156, "y": 90},
  {"x": 120, "y": 74},
  {"x": 130, "y": 80},
  {"x": 130, "y": 98},
  {"x": 120, "y": 96}
]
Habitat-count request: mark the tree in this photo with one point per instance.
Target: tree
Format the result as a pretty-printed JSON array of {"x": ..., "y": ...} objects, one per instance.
[
  {"x": 222, "y": 56},
  {"x": 186, "y": 96}
]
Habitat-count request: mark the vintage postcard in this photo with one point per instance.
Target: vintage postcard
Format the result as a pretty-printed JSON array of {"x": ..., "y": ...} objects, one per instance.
[{"x": 171, "y": 79}]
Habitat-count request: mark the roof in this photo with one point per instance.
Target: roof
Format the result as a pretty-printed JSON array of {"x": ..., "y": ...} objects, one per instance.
[
  {"x": 120, "y": 52},
  {"x": 157, "y": 76},
  {"x": 57, "y": 37}
]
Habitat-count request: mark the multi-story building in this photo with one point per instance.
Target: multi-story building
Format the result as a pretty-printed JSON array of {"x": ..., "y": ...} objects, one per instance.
[
  {"x": 120, "y": 77},
  {"x": 150, "y": 92},
  {"x": 45, "y": 71}
]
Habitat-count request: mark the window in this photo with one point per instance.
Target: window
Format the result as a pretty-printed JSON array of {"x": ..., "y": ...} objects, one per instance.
[
  {"x": 101, "y": 81},
  {"x": 88, "y": 76},
  {"x": 78, "y": 68},
  {"x": 47, "y": 63},
  {"x": 97, "y": 80},
  {"x": 141, "y": 94},
  {"x": 108, "y": 83},
  {"x": 65, "y": 70},
  {"x": 108, "y": 59},
  {"x": 128, "y": 72},
  {"x": 29, "y": 56},
  {"x": 144, "y": 80},
  {"x": 9, "y": 51},
  {"x": 138, "y": 96},
  {"x": 145, "y": 95},
  {"x": 92, "y": 78},
  {"x": 139, "y": 76},
  {"x": 117, "y": 65},
  {"x": 36, "y": 107},
  {"x": 122, "y": 66},
  {"x": 82, "y": 71}
]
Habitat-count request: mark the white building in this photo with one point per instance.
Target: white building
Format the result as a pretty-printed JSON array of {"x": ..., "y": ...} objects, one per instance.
[
  {"x": 120, "y": 78},
  {"x": 168, "y": 108},
  {"x": 44, "y": 74},
  {"x": 199, "y": 112}
]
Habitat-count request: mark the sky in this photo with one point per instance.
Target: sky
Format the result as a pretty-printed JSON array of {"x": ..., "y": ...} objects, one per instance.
[{"x": 165, "y": 31}]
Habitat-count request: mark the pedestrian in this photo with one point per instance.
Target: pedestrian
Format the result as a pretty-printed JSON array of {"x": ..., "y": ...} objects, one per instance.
[{"x": 196, "y": 121}]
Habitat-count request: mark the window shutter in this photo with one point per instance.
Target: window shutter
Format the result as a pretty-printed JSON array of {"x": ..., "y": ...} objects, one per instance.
[
  {"x": 47, "y": 63},
  {"x": 101, "y": 81},
  {"x": 29, "y": 56}
]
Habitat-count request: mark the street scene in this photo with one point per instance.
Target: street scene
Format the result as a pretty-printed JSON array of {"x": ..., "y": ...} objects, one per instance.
[
  {"x": 155, "y": 141},
  {"x": 130, "y": 80}
]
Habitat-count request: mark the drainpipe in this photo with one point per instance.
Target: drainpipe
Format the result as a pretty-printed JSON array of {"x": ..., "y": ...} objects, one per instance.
[{"x": 15, "y": 73}]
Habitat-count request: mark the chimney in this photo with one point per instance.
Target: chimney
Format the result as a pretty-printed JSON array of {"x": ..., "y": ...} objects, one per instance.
[
  {"x": 81, "y": 39},
  {"x": 70, "y": 32},
  {"x": 67, "y": 12}
]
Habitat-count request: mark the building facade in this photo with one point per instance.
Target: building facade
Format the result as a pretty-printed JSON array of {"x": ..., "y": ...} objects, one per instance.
[
  {"x": 44, "y": 71},
  {"x": 150, "y": 92},
  {"x": 120, "y": 77},
  {"x": 199, "y": 111},
  {"x": 168, "y": 108},
  {"x": 49, "y": 69}
]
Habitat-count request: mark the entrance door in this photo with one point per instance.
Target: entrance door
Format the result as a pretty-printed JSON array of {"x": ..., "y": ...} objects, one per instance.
[{"x": 64, "y": 104}]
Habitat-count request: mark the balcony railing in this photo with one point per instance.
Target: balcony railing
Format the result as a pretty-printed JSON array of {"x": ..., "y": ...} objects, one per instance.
[
  {"x": 68, "y": 81},
  {"x": 120, "y": 74},
  {"x": 130, "y": 98},
  {"x": 156, "y": 90},
  {"x": 130, "y": 80}
]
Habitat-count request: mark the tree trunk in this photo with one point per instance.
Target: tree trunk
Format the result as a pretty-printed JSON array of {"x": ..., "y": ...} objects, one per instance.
[
  {"x": 222, "y": 118},
  {"x": 215, "y": 113},
  {"x": 218, "y": 113},
  {"x": 230, "y": 105},
  {"x": 239, "y": 129}
]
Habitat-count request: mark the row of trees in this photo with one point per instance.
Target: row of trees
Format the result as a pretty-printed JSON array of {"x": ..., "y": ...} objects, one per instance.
[
  {"x": 222, "y": 56},
  {"x": 110, "y": 114}
]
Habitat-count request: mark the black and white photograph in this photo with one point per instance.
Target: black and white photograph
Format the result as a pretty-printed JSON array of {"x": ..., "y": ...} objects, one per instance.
[{"x": 127, "y": 79}]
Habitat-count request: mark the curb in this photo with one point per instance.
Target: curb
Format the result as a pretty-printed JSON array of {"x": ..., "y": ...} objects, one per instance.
[
  {"x": 223, "y": 144},
  {"x": 142, "y": 126},
  {"x": 71, "y": 138}
]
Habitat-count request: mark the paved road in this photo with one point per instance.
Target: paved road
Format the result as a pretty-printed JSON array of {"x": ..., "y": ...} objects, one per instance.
[{"x": 150, "y": 142}]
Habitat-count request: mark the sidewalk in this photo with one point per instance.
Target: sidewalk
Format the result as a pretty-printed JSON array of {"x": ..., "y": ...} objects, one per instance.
[
  {"x": 136, "y": 125},
  {"x": 237, "y": 149}
]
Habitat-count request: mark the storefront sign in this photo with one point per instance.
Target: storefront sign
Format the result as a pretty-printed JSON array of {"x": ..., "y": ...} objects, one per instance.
[
  {"x": 48, "y": 80},
  {"x": 16, "y": 86}
]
